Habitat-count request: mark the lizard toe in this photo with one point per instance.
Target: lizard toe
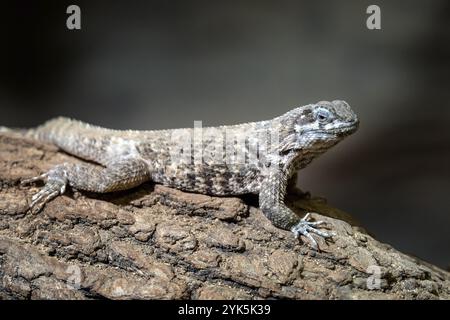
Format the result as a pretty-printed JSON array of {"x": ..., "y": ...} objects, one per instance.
[
  {"x": 24, "y": 182},
  {"x": 305, "y": 228},
  {"x": 55, "y": 185},
  {"x": 51, "y": 190}
]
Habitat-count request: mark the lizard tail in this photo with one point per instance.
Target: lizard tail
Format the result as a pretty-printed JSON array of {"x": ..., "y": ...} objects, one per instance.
[
  {"x": 14, "y": 130},
  {"x": 29, "y": 133},
  {"x": 44, "y": 132}
]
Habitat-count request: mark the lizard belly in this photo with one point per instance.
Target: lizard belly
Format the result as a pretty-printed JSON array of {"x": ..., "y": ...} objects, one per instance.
[{"x": 219, "y": 180}]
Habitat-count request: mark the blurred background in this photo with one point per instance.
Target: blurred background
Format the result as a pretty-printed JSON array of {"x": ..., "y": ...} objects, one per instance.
[{"x": 164, "y": 64}]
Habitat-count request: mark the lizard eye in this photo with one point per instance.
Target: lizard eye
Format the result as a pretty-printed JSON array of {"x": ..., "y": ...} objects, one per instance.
[{"x": 323, "y": 115}]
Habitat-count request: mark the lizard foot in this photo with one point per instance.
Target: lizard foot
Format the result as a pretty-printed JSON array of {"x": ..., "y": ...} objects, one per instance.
[
  {"x": 55, "y": 184},
  {"x": 305, "y": 228}
]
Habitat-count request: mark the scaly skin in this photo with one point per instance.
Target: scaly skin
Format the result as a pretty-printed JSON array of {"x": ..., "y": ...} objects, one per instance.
[{"x": 257, "y": 157}]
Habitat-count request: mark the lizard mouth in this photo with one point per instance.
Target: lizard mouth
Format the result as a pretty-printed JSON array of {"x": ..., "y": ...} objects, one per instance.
[
  {"x": 340, "y": 132},
  {"x": 347, "y": 130}
]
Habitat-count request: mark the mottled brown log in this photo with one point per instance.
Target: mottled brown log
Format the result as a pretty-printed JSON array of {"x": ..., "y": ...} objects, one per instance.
[{"x": 153, "y": 242}]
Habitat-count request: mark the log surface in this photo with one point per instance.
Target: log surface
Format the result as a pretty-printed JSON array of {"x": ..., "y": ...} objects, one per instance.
[{"x": 154, "y": 242}]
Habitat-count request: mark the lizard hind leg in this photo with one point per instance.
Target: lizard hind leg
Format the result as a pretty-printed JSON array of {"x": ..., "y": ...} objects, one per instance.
[{"x": 122, "y": 174}]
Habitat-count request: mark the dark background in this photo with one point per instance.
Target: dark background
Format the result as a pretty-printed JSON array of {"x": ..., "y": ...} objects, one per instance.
[{"x": 164, "y": 64}]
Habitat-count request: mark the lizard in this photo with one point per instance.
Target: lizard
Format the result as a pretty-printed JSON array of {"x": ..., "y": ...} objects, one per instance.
[{"x": 255, "y": 157}]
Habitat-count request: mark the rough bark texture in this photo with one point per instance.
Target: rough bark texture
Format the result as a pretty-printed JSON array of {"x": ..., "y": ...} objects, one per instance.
[{"x": 153, "y": 242}]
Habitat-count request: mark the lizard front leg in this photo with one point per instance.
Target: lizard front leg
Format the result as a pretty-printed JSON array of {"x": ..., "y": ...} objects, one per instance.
[
  {"x": 271, "y": 202},
  {"x": 122, "y": 174}
]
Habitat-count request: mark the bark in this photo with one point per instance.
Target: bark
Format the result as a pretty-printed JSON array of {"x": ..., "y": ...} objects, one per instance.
[{"x": 154, "y": 242}]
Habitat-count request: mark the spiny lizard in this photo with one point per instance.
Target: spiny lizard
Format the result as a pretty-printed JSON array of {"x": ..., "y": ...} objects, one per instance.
[{"x": 257, "y": 157}]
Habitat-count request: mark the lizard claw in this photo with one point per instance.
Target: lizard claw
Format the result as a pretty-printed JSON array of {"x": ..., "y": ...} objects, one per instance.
[
  {"x": 54, "y": 186},
  {"x": 305, "y": 228},
  {"x": 33, "y": 179}
]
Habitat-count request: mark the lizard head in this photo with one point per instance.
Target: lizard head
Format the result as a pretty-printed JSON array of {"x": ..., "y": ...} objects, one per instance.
[{"x": 321, "y": 125}]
